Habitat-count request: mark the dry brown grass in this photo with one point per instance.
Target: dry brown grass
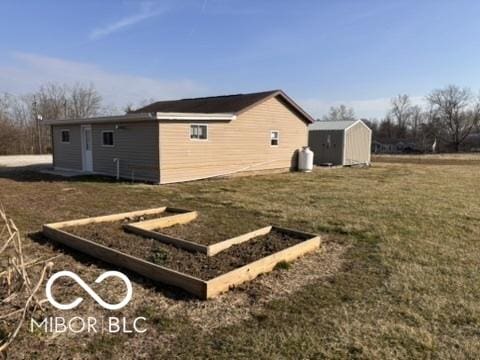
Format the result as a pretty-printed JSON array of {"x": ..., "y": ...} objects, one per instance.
[{"x": 398, "y": 279}]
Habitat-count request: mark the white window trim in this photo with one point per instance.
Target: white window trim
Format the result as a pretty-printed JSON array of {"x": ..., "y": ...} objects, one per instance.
[
  {"x": 61, "y": 136},
  {"x": 278, "y": 138},
  {"x": 113, "y": 137},
  {"x": 190, "y": 132}
]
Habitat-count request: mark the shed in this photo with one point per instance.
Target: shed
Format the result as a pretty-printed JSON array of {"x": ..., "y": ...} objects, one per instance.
[
  {"x": 340, "y": 142},
  {"x": 187, "y": 139}
]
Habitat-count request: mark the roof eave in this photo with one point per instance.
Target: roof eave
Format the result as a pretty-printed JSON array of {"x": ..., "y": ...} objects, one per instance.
[
  {"x": 103, "y": 119},
  {"x": 145, "y": 117}
]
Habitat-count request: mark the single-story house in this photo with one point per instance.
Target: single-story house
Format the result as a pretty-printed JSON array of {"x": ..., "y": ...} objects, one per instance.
[
  {"x": 340, "y": 142},
  {"x": 188, "y": 139}
]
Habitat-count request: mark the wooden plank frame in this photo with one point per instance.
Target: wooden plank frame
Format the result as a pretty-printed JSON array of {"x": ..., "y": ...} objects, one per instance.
[
  {"x": 121, "y": 216},
  {"x": 197, "y": 287},
  {"x": 144, "y": 228},
  {"x": 250, "y": 271},
  {"x": 150, "y": 270}
]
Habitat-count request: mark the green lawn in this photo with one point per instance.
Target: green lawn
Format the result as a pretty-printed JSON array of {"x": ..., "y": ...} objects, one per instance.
[{"x": 398, "y": 277}]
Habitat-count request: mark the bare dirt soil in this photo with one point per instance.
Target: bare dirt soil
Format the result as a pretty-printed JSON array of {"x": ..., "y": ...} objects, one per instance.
[
  {"x": 207, "y": 230},
  {"x": 204, "y": 267}
]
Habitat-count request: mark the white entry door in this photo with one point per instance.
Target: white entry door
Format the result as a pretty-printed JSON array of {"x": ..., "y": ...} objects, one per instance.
[{"x": 87, "y": 158}]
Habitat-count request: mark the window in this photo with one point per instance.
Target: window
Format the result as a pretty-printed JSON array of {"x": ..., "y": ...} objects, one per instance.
[
  {"x": 198, "y": 132},
  {"x": 107, "y": 138},
  {"x": 66, "y": 136},
  {"x": 274, "y": 138}
]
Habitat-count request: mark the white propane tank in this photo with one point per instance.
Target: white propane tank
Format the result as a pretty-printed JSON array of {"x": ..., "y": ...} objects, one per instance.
[{"x": 305, "y": 159}]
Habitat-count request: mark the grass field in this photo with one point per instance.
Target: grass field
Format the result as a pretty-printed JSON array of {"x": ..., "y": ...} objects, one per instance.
[{"x": 398, "y": 276}]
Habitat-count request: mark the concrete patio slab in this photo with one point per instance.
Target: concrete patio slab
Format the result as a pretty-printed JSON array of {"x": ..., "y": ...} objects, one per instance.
[{"x": 18, "y": 161}]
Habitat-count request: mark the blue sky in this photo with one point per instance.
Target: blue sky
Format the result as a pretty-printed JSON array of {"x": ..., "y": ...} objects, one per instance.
[{"x": 321, "y": 53}]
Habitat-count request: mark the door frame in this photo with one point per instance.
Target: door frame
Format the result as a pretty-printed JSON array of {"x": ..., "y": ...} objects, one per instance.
[{"x": 87, "y": 162}]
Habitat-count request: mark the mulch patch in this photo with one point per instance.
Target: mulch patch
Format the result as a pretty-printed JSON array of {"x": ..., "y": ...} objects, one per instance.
[{"x": 111, "y": 234}]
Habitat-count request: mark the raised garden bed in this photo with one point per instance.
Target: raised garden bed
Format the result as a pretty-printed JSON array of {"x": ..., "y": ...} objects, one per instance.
[{"x": 202, "y": 275}]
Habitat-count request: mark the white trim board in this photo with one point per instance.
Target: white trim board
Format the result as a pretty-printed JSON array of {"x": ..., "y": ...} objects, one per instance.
[{"x": 145, "y": 117}]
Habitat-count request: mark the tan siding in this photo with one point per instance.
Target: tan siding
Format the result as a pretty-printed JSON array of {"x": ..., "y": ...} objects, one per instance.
[
  {"x": 67, "y": 156},
  {"x": 358, "y": 144},
  {"x": 136, "y": 145},
  {"x": 240, "y": 145}
]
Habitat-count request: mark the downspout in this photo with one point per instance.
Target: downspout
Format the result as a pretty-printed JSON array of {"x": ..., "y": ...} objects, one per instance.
[
  {"x": 370, "y": 149},
  {"x": 159, "y": 142},
  {"x": 53, "y": 146}
]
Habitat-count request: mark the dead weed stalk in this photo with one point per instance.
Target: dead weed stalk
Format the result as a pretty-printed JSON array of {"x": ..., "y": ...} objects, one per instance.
[{"x": 18, "y": 289}]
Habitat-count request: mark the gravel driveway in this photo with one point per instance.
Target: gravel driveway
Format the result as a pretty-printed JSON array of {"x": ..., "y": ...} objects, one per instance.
[{"x": 13, "y": 161}]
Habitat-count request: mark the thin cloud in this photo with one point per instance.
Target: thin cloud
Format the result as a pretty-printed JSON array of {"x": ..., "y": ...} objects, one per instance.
[
  {"x": 32, "y": 70},
  {"x": 146, "y": 12},
  {"x": 204, "y": 6}
]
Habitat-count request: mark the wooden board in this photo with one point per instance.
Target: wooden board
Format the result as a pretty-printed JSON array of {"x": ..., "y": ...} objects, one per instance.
[
  {"x": 107, "y": 218},
  {"x": 143, "y": 228},
  {"x": 250, "y": 271},
  {"x": 223, "y": 245},
  {"x": 180, "y": 243},
  {"x": 166, "y": 221},
  {"x": 152, "y": 271}
]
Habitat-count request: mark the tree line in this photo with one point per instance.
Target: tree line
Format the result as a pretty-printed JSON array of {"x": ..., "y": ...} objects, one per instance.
[
  {"x": 21, "y": 117},
  {"x": 450, "y": 116}
]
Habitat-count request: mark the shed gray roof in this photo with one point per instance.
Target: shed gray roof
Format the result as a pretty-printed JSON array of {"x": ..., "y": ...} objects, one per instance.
[{"x": 331, "y": 125}]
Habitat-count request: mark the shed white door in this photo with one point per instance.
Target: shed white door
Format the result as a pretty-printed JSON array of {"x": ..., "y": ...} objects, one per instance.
[{"x": 87, "y": 158}]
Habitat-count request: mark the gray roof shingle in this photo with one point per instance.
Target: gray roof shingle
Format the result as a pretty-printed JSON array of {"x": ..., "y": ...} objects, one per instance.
[{"x": 208, "y": 105}]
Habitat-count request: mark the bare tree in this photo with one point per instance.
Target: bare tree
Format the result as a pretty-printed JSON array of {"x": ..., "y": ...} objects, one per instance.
[
  {"x": 339, "y": 113},
  {"x": 17, "y": 136},
  {"x": 455, "y": 114},
  {"x": 416, "y": 120},
  {"x": 139, "y": 104},
  {"x": 401, "y": 113},
  {"x": 49, "y": 101},
  {"x": 84, "y": 102},
  {"x": 386, "y": 129},
  {"x": 21, "y": 130}
]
